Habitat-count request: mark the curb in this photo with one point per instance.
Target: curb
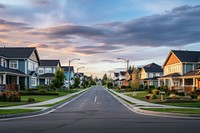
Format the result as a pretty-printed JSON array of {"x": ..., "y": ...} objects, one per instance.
[
  {"x": 44, "y": 111},
  {"x": 153, "y": 113}
]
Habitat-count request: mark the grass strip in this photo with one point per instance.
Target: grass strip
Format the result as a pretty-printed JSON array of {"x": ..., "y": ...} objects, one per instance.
[
  {"x": 174, "y": 110},
  {"x": 16, "y": 111}
]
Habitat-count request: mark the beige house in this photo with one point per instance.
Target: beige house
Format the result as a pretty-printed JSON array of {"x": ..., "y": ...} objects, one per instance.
[
  {"x": 178, "y": 64},
  {"x": 150, "y": 74}
]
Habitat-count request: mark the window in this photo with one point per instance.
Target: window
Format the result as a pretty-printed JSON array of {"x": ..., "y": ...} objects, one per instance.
[
  {"x": 13, "y": 64},
  {"x": 30, "y": 65},
  {"x": 41, "y": 70},
  {"x": 150, "y": 75},
  {"x": 33, "y": 81},
  {"x": 157, "y": 74},
  {"x": 48, "y": 70}
]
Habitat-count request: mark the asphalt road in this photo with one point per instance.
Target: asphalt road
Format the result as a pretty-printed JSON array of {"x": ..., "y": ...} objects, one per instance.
[{"x": 98, "y": 112}]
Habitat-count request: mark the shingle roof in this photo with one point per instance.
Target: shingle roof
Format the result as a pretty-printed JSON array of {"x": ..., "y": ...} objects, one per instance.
[
  {"x": 196, "y": 72},
  {"x": 130, "y": 71},
  {"x": 122, "y": 73},
  {"x": 187, "y": 56},
  {"x": 66, "y": 68},
  {"x": 49, "y": 62},
  {"x": 153, "y": 67},
  {"x": 116, "y": 74},
  {"x": 16, "y": 52},
  {"x": 171, "y": 75},
  {"x": 8, "y": 70},
  {"x": 49, "y": 75}
]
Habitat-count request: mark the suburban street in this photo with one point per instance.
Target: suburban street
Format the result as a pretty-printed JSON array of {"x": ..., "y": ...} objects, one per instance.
[{"x": 97, "y": 111}]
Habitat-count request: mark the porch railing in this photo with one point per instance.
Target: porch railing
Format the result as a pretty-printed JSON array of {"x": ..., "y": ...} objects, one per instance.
[{"x": 11, "y": 87}]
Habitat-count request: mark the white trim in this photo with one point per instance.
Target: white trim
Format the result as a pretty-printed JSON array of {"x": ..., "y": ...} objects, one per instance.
[{"x": 16, "y": 63}]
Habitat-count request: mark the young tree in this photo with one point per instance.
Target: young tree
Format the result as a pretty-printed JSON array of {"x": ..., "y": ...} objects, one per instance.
[
  {"x": 135, "y": 82},
  {"x": 105, "y": 78},
  {"x": 76, "y": 82},
  {"x": 58, "y": 79}
]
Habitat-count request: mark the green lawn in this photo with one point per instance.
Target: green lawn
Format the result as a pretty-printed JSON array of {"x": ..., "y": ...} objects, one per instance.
[
  {"x": 140, "y": 95},
  {"x": 16, "y": 111},
  {"x": 38, "y": 98},
  {"x": 185, "y": 104},
  {"x": 170, "y": 110}
]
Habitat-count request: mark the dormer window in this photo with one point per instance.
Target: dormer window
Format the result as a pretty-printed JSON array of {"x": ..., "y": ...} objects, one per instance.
[{"x": 13, "y": 64}]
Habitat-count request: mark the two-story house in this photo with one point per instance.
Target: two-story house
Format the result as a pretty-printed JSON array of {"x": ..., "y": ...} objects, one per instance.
[
  {"x": 176, "y": 68},
  {"x": 128, "y": 77},
  {"x": 18, "y": 67},
  {"x": 115, "y": 78},
  {"x": 122, "y": 78},
  {"x": 66, "y": 72},
  {"x": 150, "y": 74},
  {"x": 46, "y": 70}
]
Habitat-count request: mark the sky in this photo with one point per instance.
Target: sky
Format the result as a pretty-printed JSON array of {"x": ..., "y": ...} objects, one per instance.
[{"x": 100, "y": 31}]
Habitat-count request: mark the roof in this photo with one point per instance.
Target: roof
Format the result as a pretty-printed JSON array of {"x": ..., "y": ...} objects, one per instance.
[
  {"x": 66, "y": 68},
  {"x": 116, "y": 74},
  {"x": 154, "y": 78},
  {"x": 196, "y": 72},
  {"x": 16, "y": 52},
  {"x": 48, "y": 75},
  {"x": 187, "y": 56},
  {"x": 122, "y": 73},
  {"x": 130, "y": 71},
  {"x": 171, "y": 75},
  {"x": 153, "y": 67},
  {"x": 49, "y": 62},
  {"x": 8, "y": 70}
]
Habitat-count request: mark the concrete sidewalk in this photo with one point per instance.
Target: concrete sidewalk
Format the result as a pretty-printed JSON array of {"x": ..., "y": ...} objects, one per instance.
[
  {"x": 143, "y": 104},
  {"x": 40, "y": 105}
]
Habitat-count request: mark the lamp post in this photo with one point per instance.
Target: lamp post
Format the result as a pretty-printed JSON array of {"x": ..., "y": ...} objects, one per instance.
[
  {"x": 79, "y": 68},
  {"x": 69, "y": 72},
  {"x": 127, "y": 61}
]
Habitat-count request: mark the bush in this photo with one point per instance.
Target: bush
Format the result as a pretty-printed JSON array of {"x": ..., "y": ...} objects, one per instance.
[
  {"x": 37, "y": 93},
  {"x": 163, "y": 88},
  {"x": 173, "y": 96},
  {"x": 155, "y": 91},
  {"x": 148, "y": 96},
  {"x": 198, "y": 97},
  {"x": 10, "y": 96},
  {"x": 153, "y": 96},
  {"x": 30, "y": 100}
]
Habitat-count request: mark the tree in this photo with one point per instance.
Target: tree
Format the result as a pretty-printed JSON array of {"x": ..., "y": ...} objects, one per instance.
[
  {"x": 135, "y": 82},
  {"x": 105, "y": 78},
  {"x": 76, "y": 82},
  {"x": 58, "y": 79}
]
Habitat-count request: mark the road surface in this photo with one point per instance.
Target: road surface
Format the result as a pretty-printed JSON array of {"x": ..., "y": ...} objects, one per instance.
[{"x": 97, "y": 111}]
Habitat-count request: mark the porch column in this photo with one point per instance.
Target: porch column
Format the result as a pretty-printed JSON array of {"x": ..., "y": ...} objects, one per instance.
[
  {"x": 0, "y": 79},
  {"x": 158, "y": 82},
  {"x": 183, "y": 81},
  {"x": 17, "y": 80},
  {"x": 4, "y": 79},
  {"x": 194, "y": 83},
  {"x": 164, "y": 82}
]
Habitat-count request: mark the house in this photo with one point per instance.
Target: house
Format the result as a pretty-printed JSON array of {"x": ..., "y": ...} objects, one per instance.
[
  {"x": 46, "y": 70},
  {"x": 116, "y": 78},
  {"x": 121, "y": 78},
  {"x": 150, "y": 74},
  {"x": 66, "y": 72},
  {"x": 80, "y": 76},
  {"x": 128, "y": 77},
  {"x": 181, "y": 70},
  {"x": 18, "y": 67}
]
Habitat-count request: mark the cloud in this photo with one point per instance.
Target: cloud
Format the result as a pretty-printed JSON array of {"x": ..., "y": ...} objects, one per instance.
[{"x": 2, "y": 6}]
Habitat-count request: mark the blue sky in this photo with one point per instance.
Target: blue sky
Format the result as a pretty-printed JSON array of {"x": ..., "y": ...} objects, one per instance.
[{"x": 99, "y": 31}]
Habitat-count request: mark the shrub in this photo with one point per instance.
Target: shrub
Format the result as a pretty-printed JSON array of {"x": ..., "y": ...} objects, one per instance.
[
  {"x": 198, "y": 97},
  {"x": 123, "y": 87},
  {"x": 163, "y": 88},
  {"x": 30, "y": 100},
  {"x": 173, "y": 96},
  {"x": 186, "y": 98},
  {"x": 148, "y": 96},
  {"x": 155, "y": 91},
  {"x": 37, "y": 93},
  {"x": 153, "y": 96},
  {"x": 10, "y": 96}
]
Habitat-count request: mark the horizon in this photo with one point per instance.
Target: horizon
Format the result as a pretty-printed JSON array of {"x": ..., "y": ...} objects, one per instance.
[{"x": 101, "y": 31}]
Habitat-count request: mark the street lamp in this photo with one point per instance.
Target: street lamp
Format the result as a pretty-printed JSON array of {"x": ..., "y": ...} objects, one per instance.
[
  {"x": 127, "y": 61},
  {"x": 79, "y": 68},
  {"x": 69, "y": 72}
]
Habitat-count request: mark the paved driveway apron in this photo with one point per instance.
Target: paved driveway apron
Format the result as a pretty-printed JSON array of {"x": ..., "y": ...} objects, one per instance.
[{"x": 97, "y": 111}]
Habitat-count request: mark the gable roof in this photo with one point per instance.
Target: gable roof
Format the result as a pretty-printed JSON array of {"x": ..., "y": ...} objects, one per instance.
[
  {"x": 122, "y": 73},
  {"x": 153, "y": 67},
  {"x": 130, "y": 72},
  {"x": 116, "y": 74},
  {"x": 49, "y": 62},
  {"x": 16, "y": 52},
  {"x": 66, "y": 68},
  {"x": 185, "y": 56},
  {"x": 9, "y": 70},
  {"x": 196, "y": 72}
]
